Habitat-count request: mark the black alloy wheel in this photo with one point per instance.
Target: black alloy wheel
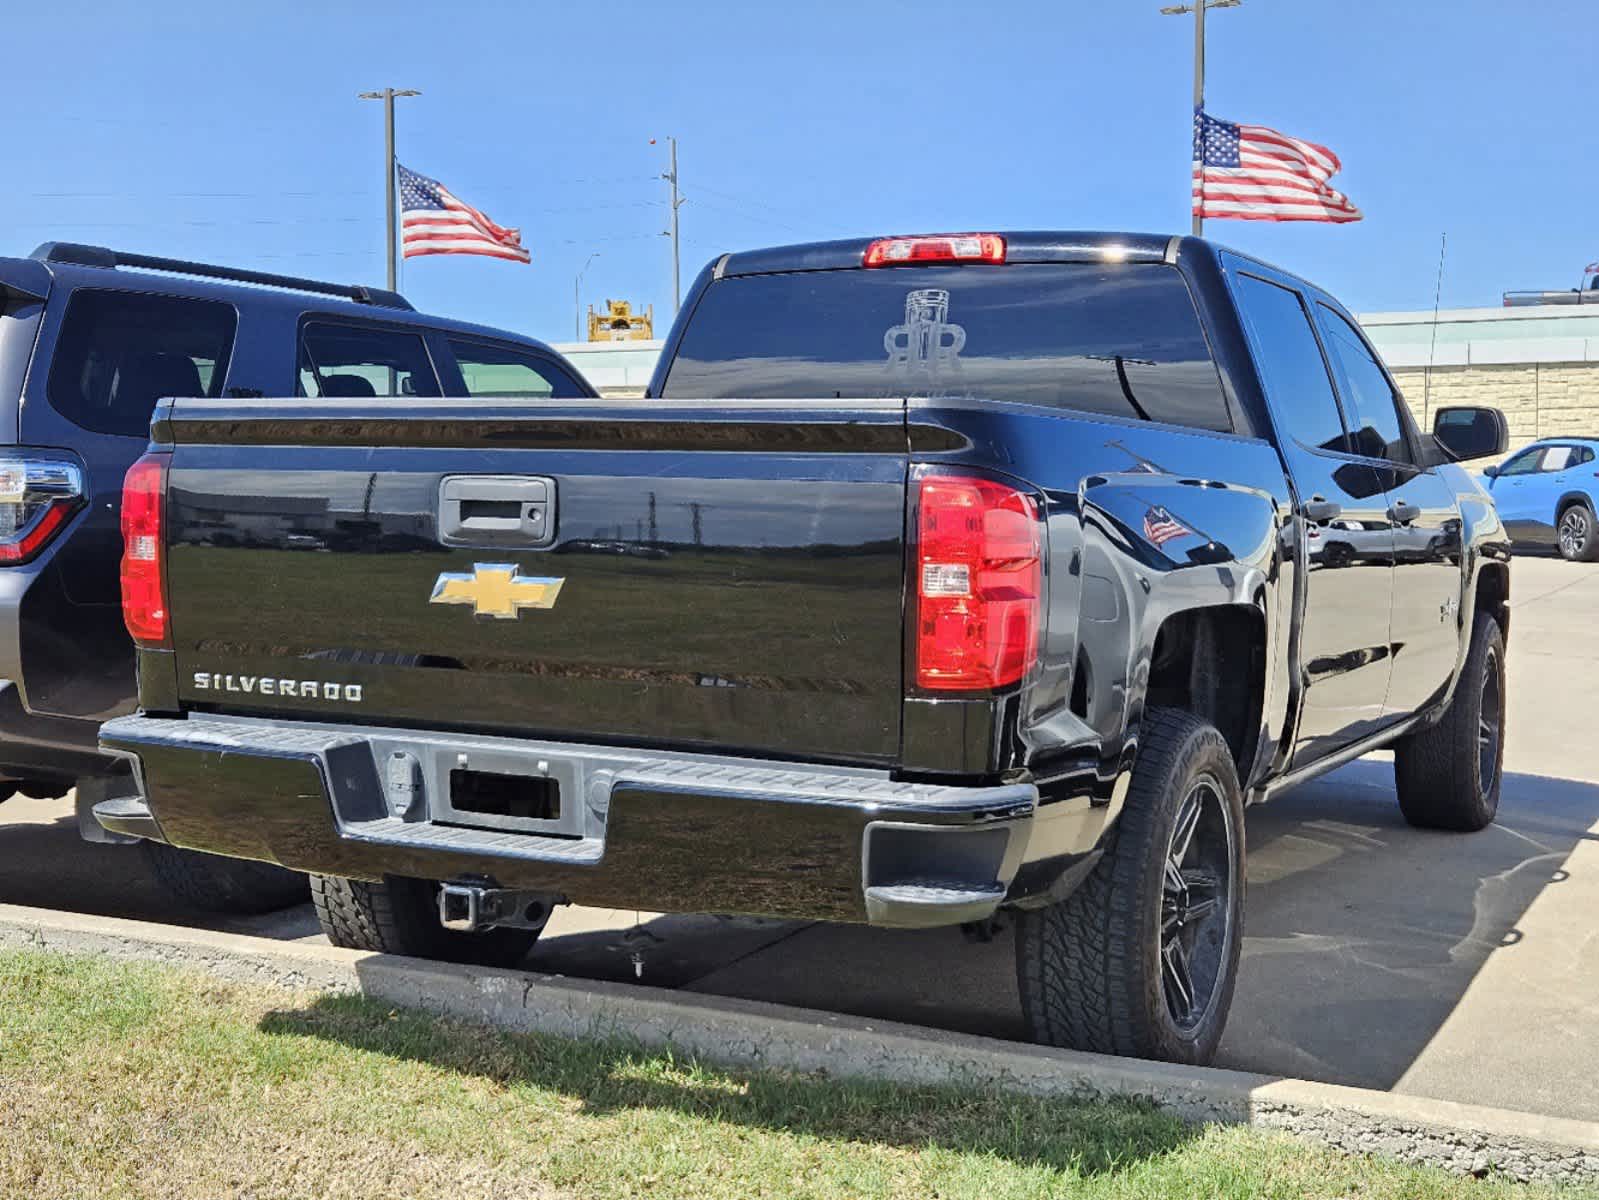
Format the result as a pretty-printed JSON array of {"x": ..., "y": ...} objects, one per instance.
[{"x": 1196, "y": 904}]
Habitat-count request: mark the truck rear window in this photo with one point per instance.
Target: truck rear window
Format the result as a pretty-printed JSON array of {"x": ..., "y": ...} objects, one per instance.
[{"x": 1120, "y": 339}]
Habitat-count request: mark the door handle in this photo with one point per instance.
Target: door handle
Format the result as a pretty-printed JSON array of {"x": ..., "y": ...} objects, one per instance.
[
  {"x": 1402, "y": 513},
  {"x": 1320, "y": 509},
  {"x": 496, "y": 510}
]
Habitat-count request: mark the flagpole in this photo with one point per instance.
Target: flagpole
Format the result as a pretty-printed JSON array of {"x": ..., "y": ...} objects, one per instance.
[
  {"x": 1198, "y": 9},
  {"x": 387, "y": 95},
  {"x": 1199, "y": 100}
]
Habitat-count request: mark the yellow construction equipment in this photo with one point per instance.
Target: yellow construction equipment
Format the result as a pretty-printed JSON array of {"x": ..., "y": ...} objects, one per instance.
[{"x": 619, "y": 323}]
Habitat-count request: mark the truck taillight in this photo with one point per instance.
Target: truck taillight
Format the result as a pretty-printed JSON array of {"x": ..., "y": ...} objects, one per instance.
[
  {"x": 144, "y": 590},
  {"x": 979, "y": 584},
  {"x": 37, "y": 496},
  {"x": 935, "y": 248}
]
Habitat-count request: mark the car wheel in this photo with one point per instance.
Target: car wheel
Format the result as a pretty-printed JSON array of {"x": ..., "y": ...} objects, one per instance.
[
  {"x": 228, "y": 885},
  {"x": 401, "y": 916},
  {"x": 1576, "y": 533},
  {"x": 1449, "y": 775},
  {"x": 1142, "y": 958}
]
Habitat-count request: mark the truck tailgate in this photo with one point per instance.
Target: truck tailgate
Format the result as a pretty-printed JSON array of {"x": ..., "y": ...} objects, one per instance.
[{"x": 724, "y": 577}]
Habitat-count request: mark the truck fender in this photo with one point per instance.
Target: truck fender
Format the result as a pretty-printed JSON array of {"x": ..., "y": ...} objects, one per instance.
[{"x": 1157, "y": 546}]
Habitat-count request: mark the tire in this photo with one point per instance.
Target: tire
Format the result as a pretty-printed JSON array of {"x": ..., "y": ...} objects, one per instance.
[
  {"x": 1097, "y": 970},
  {"x": 1448, "y": 776},
  {"x": 227, "y": 885},
  {"x": 401, "y": 916},
  {"x": 1577, "y": 533}
]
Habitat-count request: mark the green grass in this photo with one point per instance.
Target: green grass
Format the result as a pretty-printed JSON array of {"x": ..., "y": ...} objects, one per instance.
[{"x": 120, "y": 1080}]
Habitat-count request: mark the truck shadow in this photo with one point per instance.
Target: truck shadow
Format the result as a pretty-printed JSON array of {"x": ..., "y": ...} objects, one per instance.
[
  {"x": 1087, "y": 1137},
  {"x": 1362, "y": 935},
  {"x": 47, "y": 865}
]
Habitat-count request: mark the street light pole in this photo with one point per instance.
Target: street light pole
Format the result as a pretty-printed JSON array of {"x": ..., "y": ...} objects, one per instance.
[
  {"x": 577, "y": 297},
  {"x": 1198, "y": 9},
  {"x": 387, "y": 95}
]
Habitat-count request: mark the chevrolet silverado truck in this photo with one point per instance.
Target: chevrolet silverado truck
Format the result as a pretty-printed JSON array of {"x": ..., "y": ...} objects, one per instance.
[{"x": 935, "y": 578}]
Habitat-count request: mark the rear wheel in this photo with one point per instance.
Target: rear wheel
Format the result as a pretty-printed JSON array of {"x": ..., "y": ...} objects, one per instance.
[
  {"x": 401, "y": 916},
  {"x": 229, "y": 885},
  {"x": 1577, "y": 534},
  {"x": 1141, "y": 960},
  {"x": 1448, "y": 776}
]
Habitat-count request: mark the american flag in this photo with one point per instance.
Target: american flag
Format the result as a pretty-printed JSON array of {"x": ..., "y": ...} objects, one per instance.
[
  {"x": 432, "y": 221},
  {"x": 1252, "y": 173},
  {"x": 1161, "y": 527}
]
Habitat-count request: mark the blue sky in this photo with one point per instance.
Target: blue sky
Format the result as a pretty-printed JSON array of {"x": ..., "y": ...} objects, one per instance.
[{"x": 231, "y": 132}]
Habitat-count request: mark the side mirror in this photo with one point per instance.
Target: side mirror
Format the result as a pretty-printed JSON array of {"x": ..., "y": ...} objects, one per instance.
[
  {"x": 1469, "y": 432},
  {"x": 1491, "y": 472}
]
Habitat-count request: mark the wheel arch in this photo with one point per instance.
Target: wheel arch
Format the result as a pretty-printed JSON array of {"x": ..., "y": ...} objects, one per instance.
[
  {"x": 1211, "y": 661},
  {"x": 1572, "y": 496}
]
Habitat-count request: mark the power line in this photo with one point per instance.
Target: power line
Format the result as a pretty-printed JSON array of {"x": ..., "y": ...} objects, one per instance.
[
  {"x": 788, "y": 212},
  {"x": 748, "y": 216}
]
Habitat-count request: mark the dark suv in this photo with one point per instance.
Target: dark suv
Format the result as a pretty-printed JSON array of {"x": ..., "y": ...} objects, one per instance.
[{"x": 90, "y": 339}]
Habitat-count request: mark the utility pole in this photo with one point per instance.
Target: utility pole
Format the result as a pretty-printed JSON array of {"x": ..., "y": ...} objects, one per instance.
[
  {"x": 1198, "y": 9},
  {"x": 677, "y": 203},
  {"x": 387, "y": 95},
  {"x": 577, "y": 297}
]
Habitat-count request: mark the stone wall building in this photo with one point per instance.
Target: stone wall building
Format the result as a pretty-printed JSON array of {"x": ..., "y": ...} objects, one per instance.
[{"x": 1540, "y": 365}]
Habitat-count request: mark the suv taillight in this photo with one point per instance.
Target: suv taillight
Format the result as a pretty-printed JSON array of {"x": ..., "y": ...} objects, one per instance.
[
  {"x": 37, "y": 496},
  {"x": 144, "y": 589},
  {"x": 979, "y": 584}
]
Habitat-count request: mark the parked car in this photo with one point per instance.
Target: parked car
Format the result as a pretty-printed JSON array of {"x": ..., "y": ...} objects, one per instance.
[
  {"x": 1545, "y": 495},
  {"x": 985, "y": 583},
  {"x": 89, "y": 339}
]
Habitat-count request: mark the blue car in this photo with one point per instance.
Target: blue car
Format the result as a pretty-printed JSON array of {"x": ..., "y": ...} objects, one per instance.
[{"x": 1545, "y": 494}]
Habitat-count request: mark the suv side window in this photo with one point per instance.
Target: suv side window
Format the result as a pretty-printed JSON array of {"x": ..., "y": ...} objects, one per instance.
[
  {"x": 1291, "y": 365},
  {"x": 497, "y": 369},
  {"x": 356, "y": 361},
  {"x": 1524, "y": 463},
  {"x": 1369, "y": 399},
  {"x": 120, "y": 352},
  {"x": 1558, "y": 458}
]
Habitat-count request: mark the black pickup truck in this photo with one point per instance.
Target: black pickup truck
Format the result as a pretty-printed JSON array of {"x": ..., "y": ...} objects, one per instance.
[{"x": 936, "y": 576}]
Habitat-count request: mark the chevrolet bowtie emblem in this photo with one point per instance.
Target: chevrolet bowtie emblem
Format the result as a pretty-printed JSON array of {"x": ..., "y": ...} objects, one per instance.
[{"x": 496, "y": 590}]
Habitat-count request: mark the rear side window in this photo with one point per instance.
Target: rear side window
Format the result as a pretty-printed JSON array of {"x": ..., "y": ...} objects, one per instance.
[
  {"x": 1120, "y": 339},
  {"x": 1291, "y": 367},
  {"x": 355, "y": 361},
  {"x": 495, "y": 369},
  {"x": 120, "y": 352},
  {"x": 1562, "y": 458}
]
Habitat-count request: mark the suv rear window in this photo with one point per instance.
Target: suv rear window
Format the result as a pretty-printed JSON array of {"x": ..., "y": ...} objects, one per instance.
[
  {"x": 495, "y": 369},
  {"x": 1121, "y": 339},
  {"x": 120, "y": 352}
]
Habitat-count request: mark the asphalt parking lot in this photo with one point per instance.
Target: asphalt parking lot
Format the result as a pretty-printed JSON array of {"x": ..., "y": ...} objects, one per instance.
[{"x": 1458, "y": 967}]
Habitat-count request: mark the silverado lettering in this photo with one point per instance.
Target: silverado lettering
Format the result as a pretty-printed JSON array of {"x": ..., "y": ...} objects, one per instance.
[
  {"x": 308, "y": 689},
  {"x": 1037, "y": 557}
]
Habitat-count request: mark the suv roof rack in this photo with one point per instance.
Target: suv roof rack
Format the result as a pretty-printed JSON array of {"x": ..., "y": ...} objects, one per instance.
[{"x": 100, "y": 256}]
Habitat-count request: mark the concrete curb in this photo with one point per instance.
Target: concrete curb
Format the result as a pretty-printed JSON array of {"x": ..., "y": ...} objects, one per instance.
[{"x": 1457, "y": 1137}]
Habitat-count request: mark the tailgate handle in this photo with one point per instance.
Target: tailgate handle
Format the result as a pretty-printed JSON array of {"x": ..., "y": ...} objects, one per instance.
[{"x": 496, "y": 510}]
